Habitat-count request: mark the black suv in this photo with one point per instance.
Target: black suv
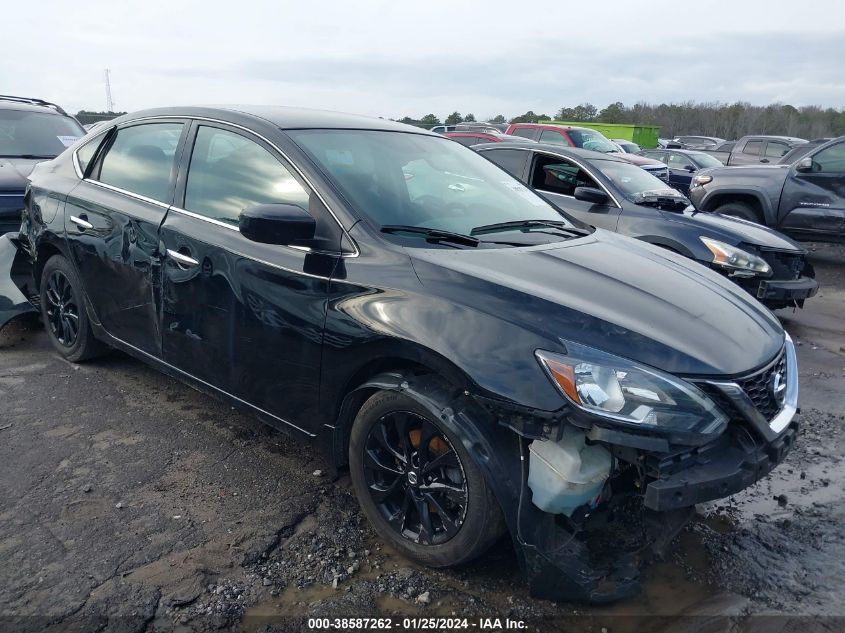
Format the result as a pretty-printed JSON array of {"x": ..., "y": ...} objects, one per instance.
[
  {"x": 31, "y": 130},
  {"x": 478, "y": 361}
]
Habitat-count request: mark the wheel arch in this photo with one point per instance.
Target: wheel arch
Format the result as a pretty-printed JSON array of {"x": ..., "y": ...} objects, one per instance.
[
  {"x": 753, "y": 198},
  {"x": 386, "y": 371},
  {"x": 44, "y": 250}
]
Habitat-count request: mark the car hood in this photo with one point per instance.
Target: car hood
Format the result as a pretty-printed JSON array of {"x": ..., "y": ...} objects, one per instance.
[
  {"x": 616, "y": 294},
  {"x": 636, "y": 160},
  {"x": 733, "y": 230},
  {"x": 14, "y": 172}
]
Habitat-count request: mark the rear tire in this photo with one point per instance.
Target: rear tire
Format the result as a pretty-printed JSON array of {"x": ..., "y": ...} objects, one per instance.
[
  {"x": 394, "y": 441},
  {"x": 739, "y": 210},
  {"x": 63, "y": 312}
]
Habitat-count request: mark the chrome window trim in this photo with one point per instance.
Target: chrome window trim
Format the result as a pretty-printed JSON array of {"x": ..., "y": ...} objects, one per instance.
[
  {"x": 580, "y": 165},
  {"x": 232, "y": 227},
  {"x": 137, "y": 196}
]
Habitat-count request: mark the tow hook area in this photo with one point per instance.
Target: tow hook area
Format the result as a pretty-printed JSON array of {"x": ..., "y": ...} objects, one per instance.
[{"x": 15, "y": 275}]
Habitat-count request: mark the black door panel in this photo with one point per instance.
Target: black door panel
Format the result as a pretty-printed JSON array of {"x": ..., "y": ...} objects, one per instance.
[
  {"x": 117, "y": 260},
  {"x": 813, "y": 202},
  {"x": 251, "y": 326}
]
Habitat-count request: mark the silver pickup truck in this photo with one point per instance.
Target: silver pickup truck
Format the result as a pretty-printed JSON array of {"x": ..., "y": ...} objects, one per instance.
[{"x": 754, "y": 149}]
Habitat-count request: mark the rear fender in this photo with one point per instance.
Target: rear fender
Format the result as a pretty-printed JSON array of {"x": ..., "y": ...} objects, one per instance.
[{"x": 16, "y": 285}]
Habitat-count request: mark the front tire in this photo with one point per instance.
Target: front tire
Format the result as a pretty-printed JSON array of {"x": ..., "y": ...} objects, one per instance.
[
  {"x": 63, "y": 312},
  {"x": 417, "y": 484}
]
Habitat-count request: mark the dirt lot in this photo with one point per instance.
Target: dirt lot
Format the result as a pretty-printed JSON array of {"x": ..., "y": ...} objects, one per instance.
[{"x": 129, "y": 502}]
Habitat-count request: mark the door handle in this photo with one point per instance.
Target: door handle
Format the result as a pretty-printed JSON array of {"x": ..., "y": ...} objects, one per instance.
[
  {"x": 82, "y": 222},
  {"x": 182, "y": 259},
  {"x": 764, "y": 160}
]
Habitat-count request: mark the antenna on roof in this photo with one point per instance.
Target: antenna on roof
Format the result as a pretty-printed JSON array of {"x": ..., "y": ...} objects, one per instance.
[{"x": 109, "y": 102}]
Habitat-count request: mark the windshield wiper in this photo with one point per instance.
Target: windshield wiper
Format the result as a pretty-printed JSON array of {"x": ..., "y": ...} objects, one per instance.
[
  {"x": 432, "y": 235},
  {"x": 28, "y": 156},
  {"x": 527, "y": 224}
]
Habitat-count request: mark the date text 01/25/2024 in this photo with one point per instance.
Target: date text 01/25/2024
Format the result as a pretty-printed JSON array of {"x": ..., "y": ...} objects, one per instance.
[{"x": 415, "y": 624}]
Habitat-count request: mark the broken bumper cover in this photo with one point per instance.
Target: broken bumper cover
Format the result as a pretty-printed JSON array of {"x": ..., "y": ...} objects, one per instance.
[
  {"x": 719, "y": 470},
  {"x": 13, "y": 302},
  {"x": 787, "y": 290}
]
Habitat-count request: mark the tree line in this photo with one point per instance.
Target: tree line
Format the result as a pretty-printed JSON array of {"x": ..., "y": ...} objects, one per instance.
[{"x": 728, "y": 121}]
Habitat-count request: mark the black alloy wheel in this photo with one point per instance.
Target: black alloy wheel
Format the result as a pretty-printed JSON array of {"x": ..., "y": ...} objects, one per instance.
[
  {"x": 63, "y": 312},
  {"x": 415, "y": 478},
  {"x": 62, "y": 309},
  {"x": 417, "y": 483}
]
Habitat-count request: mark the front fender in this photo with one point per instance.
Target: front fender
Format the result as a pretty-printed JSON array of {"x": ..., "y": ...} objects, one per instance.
[
  {"x": 763, "y": 195},
  {"x": 15, "y": 280}
]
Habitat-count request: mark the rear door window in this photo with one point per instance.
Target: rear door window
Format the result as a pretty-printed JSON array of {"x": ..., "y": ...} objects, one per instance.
[
  {"x": 553, "y": 136},
  {"x": 775, "y": 149},
  {"x": 678, "y": 161},
  {"x": 511, "y": 160},
  {"x": 525, "y": 132},
  {"x": 752, "y": 148},
  {"x": 141, "y": 159}
]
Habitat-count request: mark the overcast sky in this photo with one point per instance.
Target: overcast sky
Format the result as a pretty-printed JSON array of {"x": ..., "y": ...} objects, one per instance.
[{"x": 399, "y": 57}]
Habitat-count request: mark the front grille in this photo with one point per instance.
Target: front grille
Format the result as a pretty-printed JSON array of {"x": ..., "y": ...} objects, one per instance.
[
  {"x": 759, "y": 387},
  {"x": 784, "y": 265}
]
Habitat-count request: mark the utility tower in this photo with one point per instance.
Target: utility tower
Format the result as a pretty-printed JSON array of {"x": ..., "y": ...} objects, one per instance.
[{"x": 109, "y": 102}]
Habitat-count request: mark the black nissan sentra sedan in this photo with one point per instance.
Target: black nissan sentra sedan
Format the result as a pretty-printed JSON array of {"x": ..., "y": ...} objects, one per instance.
[{"x": 480, "y": 363}]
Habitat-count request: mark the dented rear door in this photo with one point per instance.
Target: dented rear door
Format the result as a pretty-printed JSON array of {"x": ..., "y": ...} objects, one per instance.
[{"x": 112, "y": 220}]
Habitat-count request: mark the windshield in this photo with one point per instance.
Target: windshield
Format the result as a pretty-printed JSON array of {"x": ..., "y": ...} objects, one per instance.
[
  {"x": 401, "y": 179},
  {"x": 705, "y": 160},
  {"x": 592, "y": 140},
  {"x": 632, "y": 180},
  {"x": 36, "y": 134}
]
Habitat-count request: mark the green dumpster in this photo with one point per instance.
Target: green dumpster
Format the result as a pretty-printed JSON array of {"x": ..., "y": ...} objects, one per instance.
[{"x": 643, "y": 135}]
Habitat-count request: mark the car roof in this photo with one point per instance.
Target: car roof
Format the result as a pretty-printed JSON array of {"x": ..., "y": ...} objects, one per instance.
[
  {"x": 554, "y": 148},
  {"x": 7, "y": 104},
  {"x": 553, "y": 126},
  {"x": 284, "y": 117},
  {"x": 791, "y": 139},
  {"x": 675, "y": 151}
]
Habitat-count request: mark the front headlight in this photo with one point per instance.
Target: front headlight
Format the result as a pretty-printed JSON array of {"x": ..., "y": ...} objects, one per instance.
[
  {"x": 631, "y": 394},
  {"x": 700, "y": 180},
  {"x": 735, "y": 258}
]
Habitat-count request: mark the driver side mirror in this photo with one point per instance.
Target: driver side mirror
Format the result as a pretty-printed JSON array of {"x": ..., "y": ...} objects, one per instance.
[
  {"x": 283, "y": 224},
  {"x": 690, "y": 168},
  {"x": 590, "y": 194},
  {"x": 804, "y": 165}
]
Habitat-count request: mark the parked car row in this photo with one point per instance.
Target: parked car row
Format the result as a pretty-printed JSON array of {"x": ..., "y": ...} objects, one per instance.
[
  {"x": 604, "y": 191},
  {"x": 450, "y": 326}
]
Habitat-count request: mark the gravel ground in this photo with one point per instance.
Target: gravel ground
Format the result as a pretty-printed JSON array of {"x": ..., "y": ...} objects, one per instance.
[{"x": 129, "y": 502}]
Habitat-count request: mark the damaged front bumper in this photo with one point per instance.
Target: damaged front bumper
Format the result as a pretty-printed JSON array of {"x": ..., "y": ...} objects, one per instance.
[
  {"x": 659, "y": 484},
  {"x": 15, "y": 280},
  {"x": 787, "y": 291}
]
